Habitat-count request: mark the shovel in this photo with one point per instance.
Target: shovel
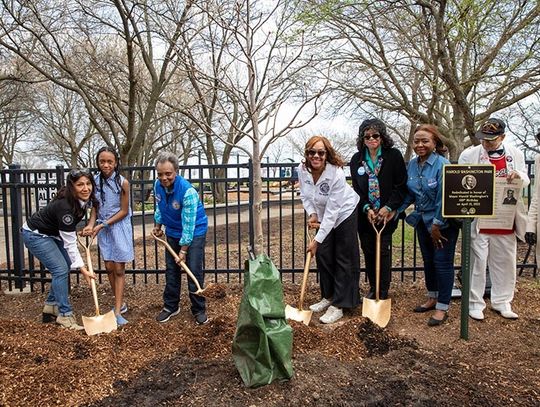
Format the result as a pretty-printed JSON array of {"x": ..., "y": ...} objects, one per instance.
[
  {"x": 199, "y": 291},
  {"x": 299, "y": 314},
  {"x": 99, "y": 323},
  {"x": 377, "y": 310}
]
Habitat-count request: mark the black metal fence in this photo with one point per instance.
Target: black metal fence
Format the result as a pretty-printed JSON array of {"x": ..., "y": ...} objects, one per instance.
[{"x": 227, "y": 195}]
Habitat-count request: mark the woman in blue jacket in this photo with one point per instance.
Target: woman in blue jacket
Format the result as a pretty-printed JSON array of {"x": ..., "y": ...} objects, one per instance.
[{"x": 437, "y": 236}]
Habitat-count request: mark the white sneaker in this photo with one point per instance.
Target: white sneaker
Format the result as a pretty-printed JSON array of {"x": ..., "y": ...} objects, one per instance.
[
  {"x": 321, "y": 305},
  {"x": 476, "y": 314},
  {"x": 331, "y": 315},
  {"x": 506, "y": 312}
]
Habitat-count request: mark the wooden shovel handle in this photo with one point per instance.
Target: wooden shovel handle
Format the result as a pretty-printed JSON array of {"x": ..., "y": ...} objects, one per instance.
[
  {"x": 305, "y": 274},
  {"x": 94, "y": 295},
  {"x": 90, "y": 269},
  {"x": 304, "y": 282},
  {"x": 378, "y": 232},
  {"x": 182, "y": 263}
]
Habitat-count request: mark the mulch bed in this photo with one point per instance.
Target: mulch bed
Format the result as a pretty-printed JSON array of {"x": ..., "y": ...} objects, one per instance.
[{"x": 350, "y": 363}]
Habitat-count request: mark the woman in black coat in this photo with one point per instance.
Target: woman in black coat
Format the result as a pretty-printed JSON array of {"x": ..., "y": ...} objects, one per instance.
[{"x": 379, "y": 177}]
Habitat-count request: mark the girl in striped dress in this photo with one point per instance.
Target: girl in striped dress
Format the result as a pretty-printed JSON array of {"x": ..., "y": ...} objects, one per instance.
[{"x": 113, "y": 225}]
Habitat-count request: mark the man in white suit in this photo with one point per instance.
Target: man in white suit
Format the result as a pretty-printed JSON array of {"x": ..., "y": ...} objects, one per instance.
[{"x": 496, "y": 248}]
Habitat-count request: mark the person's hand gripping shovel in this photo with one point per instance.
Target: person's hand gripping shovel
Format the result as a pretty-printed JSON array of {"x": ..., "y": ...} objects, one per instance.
[
  {"x": 199, "y": 291},
  {"x": 98, "y": 323},
  {"x": 299, "y": 314},
  {"x": 377, "y": 310}
]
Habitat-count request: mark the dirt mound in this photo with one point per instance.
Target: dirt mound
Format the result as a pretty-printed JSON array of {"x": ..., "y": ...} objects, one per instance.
[
  {"x": 354, "y": 339},
  {"x": 215, "y": 291},
  {"x": 378, "y": 341}
]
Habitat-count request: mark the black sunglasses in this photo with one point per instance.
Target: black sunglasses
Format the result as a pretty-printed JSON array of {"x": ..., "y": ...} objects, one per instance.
[
  {"x": 320, "y": 153},
  {"x": 76, "y": 174},
  {"x": 372, "y": 136}
]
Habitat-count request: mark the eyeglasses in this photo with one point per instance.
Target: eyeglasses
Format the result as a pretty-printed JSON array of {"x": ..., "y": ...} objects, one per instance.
[
  {"x": 313, "y": 153},
  {"x": 76, "y": 174},
  {"x": 372, "y": 136}
]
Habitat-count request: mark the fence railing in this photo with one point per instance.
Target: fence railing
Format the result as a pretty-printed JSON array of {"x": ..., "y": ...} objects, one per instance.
[{"x": 226, "y": 191}]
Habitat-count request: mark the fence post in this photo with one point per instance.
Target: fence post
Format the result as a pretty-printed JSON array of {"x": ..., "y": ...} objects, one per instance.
[
  {"x": 16, "y": 224},
  {"x": 251, "y": 226},
  {"x": 60, "y": 177}
]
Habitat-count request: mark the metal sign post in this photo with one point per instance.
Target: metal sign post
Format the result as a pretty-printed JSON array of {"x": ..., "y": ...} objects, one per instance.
[
  {"x": 465, "y": 277},
  {"x": 468, "y": 192}
]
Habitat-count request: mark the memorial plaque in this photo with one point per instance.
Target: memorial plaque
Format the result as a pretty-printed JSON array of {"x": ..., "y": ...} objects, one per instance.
[{"x": 468, "y": 191}]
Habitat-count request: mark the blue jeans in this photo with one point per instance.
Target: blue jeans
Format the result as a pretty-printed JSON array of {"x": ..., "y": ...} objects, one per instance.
[
  {"x": 51, "y": 253},
  {"x": 438, "y": 263},
  {"x": 195, "y": 257}
]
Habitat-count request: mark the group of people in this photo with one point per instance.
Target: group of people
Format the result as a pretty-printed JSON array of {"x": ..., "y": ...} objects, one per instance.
[
  {"x": 50, "y": 235},
  {"x": 383, "y": 187}
]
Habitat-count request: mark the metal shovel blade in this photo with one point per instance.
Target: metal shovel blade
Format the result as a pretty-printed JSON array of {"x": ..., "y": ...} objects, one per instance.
[
  {"x": 100, "y": 323},
  {"x": 377, "y": 311},
  {"x": 298, "y": 315}
]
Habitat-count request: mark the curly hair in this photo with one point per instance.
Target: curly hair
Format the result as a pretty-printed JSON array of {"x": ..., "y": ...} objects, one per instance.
[
  {"x": 332, "y": 156},
  {"x": 440, "y": 148},
  {"x": 375, "y": 124}
]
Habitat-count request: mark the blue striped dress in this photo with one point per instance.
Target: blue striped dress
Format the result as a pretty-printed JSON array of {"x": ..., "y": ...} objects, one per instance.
[{"x": 116, "y": 241}]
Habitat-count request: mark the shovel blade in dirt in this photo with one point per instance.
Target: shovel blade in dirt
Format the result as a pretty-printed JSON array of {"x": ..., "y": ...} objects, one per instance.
[
  {"x": 298, "y": 315},
  {"x": 378, "y": 311},
  {"x": 100, "y": 323}
]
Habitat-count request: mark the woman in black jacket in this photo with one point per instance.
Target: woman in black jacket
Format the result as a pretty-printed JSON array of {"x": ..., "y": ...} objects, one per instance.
[
  {"x": 50, "y": 235},
  {"x": 379, "y": 177}
]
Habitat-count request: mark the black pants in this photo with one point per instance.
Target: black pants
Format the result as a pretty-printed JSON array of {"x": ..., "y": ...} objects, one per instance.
[
  {"x": 368, "y": 243},
  {"x": 338, "y": 263}
]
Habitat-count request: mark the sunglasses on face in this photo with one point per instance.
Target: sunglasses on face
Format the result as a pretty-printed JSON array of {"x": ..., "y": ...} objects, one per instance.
[
  {"x": 372, "y": 136},
  {"x": 313, "y": 153},
  {"x": 76, "y": 174}
]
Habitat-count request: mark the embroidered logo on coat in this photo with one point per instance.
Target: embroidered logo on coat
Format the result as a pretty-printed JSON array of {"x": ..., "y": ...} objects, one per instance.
[
  {"x": 324, "y": 188},
  {"x": 176, "y": 205},
  {"x": 67, "y": 219}
]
